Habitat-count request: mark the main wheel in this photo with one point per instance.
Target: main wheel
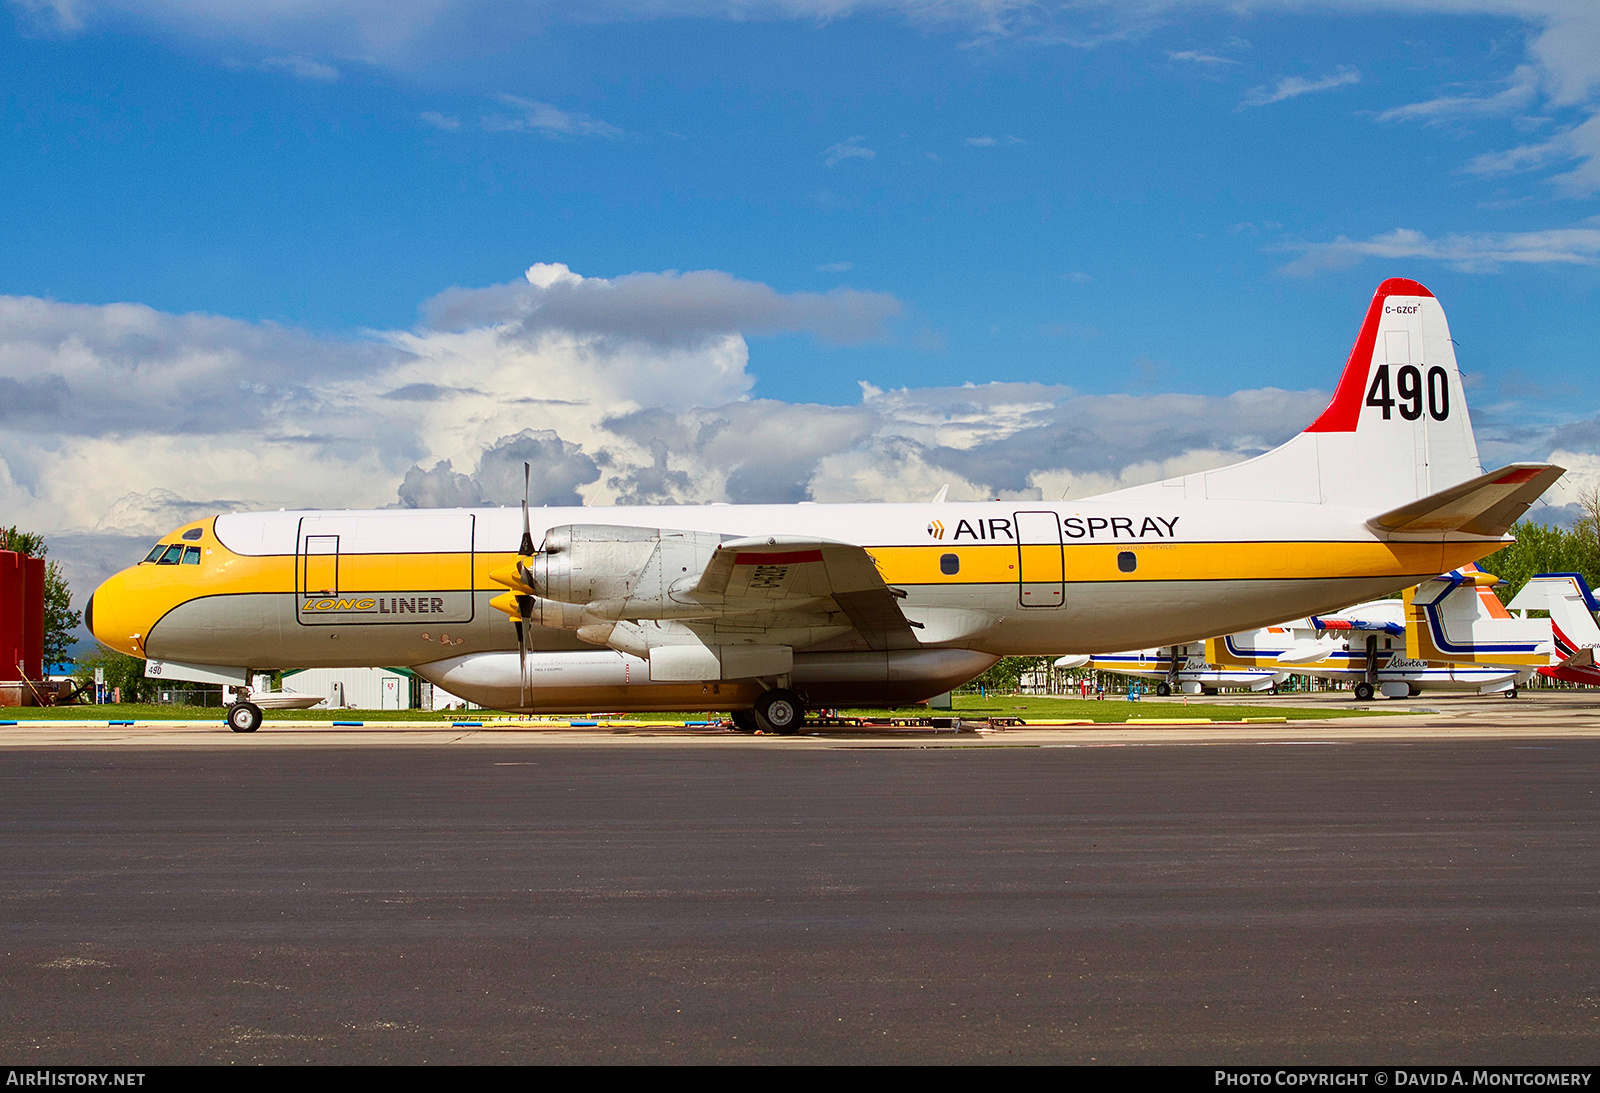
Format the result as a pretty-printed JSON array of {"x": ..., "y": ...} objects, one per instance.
[
  {"x": 780, "y": 711},
  {"x": 1163, "y": 689},
  {"x": 1512, "y": 693},
  {"x": 745, "y": 720},
  {"x": 1363, "y": 691},
  {"x": 244, "y": 717}
]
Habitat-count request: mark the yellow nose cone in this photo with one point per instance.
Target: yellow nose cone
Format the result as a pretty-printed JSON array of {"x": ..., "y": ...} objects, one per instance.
[
  {"x": 511, "y": 578},
  {"x": 120, "y": 612}
]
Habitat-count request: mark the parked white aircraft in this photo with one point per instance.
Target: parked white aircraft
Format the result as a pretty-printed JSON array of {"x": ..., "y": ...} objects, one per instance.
[
  {"x": 1181, "y": 668},
  {"x": 764, "y": 609},
  {"x": 1449, "y": 633},
  {"x": 1572, "y": 607}
]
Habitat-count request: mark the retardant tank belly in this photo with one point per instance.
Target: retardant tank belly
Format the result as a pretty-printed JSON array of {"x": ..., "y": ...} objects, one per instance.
[{"x": 604, "y": 679}]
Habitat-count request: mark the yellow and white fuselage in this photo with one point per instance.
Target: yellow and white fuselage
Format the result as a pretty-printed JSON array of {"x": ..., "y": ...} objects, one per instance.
[{"x": 708, "y": 606}]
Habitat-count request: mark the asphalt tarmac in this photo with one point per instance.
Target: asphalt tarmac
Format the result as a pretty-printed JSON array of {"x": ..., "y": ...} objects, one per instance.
[{"x": 1411, "y": 891}]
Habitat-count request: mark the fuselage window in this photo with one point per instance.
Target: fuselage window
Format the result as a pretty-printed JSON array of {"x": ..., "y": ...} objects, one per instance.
[
  {"x": 191, "y": 555},
  {"x": 172, "y": 555},
  {"x": 1127, "y": 561},
  {"x": 155, "y": 552},
  {"x": 949, "y": 565}
]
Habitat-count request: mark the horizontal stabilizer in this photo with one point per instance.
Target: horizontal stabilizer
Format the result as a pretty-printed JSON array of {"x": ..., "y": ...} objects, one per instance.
[
  {"x": 1487, "y": 505},
  {"x": 1583, "y": 658},
  {"x": 1545, "y": 588}
]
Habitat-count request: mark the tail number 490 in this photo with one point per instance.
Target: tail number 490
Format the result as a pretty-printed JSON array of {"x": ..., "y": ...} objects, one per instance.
[{"x": 1408, "y": 385}]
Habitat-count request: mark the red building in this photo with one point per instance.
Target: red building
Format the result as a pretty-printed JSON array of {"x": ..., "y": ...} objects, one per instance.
[{"x": 21, "y": 627}]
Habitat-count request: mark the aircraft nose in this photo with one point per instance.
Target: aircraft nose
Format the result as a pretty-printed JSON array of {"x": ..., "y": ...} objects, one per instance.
[{"x": 114, "y": 616}]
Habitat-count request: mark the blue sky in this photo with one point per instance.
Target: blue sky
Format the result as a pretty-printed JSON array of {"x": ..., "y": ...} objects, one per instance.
[{"x": 1144, "y": 232}]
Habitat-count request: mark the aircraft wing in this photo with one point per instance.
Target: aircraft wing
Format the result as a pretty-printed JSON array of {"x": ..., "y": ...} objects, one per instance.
[
  {"x": 1309, "y": 651},
  {"x": 1371, "y": 626},
  {"x": 781, "y": 573}
]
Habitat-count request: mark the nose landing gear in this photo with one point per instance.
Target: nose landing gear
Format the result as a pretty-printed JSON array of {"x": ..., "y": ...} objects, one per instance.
[{"x": 244, "y": 717}]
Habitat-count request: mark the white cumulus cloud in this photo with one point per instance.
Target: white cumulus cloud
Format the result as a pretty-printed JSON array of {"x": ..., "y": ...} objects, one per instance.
[
  {"x": 1292, "y": 87},
  {"x": 552, "y": 121},
  {"x": 847, "y": 149},
  {"x": 1472, "y": 253}
]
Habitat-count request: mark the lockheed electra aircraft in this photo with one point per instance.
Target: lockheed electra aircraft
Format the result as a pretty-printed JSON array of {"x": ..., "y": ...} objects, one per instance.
[{"x": 764, "y": 610}]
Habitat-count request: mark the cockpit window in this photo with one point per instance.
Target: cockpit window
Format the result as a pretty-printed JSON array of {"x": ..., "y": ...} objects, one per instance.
[
  {"x": 192, "y": 534},
  {"x": 173, "y": 554}
]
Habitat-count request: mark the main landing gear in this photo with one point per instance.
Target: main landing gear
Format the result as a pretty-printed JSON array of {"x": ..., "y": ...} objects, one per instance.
[
  {"x": 779, "y": 711},
  {"x": 1364, "y": 691},
  {"x": 1163, "y": 689},
  {"x": 244, "y": 716}
]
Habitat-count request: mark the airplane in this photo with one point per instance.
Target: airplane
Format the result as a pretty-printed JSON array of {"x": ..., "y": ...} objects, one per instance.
[
  {"x": 1181, "y": 668},
  {"x": 1447, "y": 633},
  {"x": 766, "y": 610},
  {"x": 1572, "y": 607}
]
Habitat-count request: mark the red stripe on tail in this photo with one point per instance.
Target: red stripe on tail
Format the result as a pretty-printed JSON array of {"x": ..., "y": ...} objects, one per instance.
[{"x": 1345, "y": 409}]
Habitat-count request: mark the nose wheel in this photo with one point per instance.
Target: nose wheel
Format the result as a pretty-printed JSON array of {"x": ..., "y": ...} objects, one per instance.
[{"x": 244, "y": 717}]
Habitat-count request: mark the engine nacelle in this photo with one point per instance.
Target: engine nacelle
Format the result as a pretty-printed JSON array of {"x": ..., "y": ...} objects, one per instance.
[{"x": 604, "y": 563}]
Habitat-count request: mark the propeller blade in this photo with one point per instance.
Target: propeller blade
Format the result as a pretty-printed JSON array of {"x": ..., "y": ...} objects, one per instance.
[
  {"x": 524, "y": 625},
  {"x": 526, "y": 549}
]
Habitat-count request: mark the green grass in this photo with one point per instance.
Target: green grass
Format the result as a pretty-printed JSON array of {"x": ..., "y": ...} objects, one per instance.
[{"x": 1028, "y": 707}]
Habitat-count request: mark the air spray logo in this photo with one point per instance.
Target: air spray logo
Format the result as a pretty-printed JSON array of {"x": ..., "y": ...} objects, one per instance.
[{"x": 936, "y": 529}]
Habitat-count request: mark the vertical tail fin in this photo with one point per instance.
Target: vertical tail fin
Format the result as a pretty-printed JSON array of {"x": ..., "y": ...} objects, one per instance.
[
  {"x": 1456, "y": 618},
  {"x": 1396, "y": 430},
  {"x": 1572, "y": 608}
]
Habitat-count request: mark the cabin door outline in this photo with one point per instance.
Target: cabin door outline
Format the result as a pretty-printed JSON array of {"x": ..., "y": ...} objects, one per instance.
[{"x": 1041, "y": 560}]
